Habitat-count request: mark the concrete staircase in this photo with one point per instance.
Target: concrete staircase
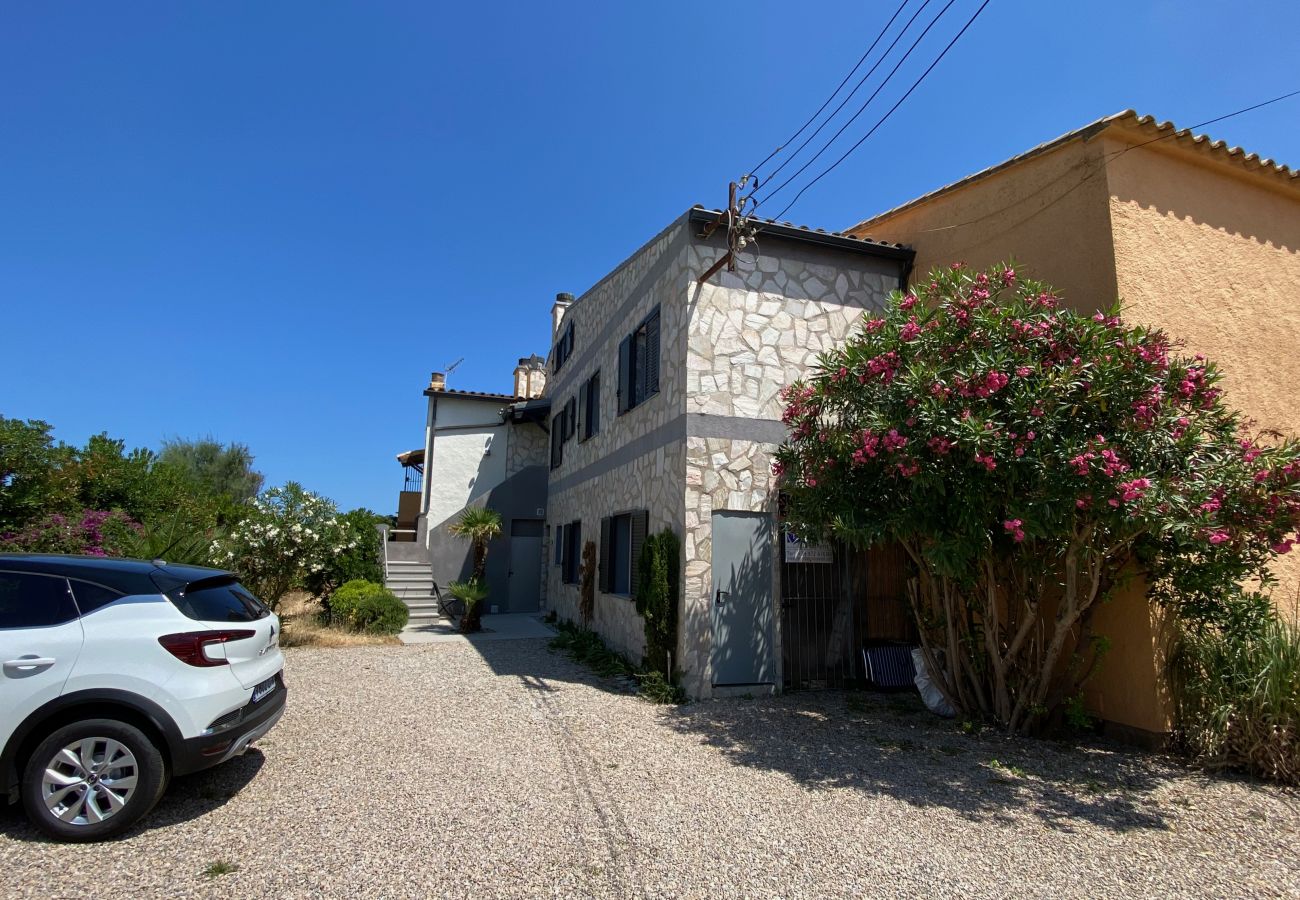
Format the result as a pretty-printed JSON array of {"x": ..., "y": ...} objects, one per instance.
[{"x": 412, "y": 582}]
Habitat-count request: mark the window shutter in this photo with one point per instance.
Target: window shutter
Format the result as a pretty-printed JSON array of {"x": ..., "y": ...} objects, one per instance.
[
  {"x": 568, "y": 340},
  {"x": 638, "y": 366},
  {"x": 582, "y": 412},
  {"x": 593, "y": 399},
  {"x": 559, "y": 545},
  {"x": 625, "y": 375},
  {"x": 557, "y": 436},
  {"x": 606, "y": 557},
  {"x": 575, "y": 550},
  {"x": 570, "y": 417},
  {"x": 640, "y": 521},
  {"x": 652, "y": 355}
]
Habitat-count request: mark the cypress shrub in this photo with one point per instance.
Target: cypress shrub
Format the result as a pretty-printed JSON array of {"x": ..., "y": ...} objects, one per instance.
[{"x": 656, "y": 598}]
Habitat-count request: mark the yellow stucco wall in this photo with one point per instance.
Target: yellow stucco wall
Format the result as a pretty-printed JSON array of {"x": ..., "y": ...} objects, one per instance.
[
  {"x": 1194, "y": 246},
  {"x": 1212, "y": 256},
  {"x": 1049, "y": 212}
]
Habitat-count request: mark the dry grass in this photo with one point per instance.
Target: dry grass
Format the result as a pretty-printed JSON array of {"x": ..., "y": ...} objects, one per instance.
[{"x": 300, "y": 615}]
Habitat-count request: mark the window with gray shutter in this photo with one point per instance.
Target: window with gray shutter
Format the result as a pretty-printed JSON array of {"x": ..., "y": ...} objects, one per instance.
[
  {"x": 640, "y": 521},
  {"x": 638, "y": 364},
  {"x": 605, "y": 570},
  {"x": 625, "y": 375}
]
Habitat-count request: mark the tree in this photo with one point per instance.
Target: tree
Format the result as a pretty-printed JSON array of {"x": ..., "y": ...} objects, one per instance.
[
  {"x": 479, "y": 525},
  {"x": 36, "y": 479},
  {"x": 288, "y": 535},
  {"x": 222, "y": 470},
  {"x": 1031, "y": 461},
  {"x": 359, "y": 561}
]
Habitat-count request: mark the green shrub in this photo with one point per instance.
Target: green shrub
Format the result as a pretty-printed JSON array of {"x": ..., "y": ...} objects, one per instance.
[
  {"x": 358, "y": 558},
  {"x": 472, "y": 593},
  {"x": 586, "y": 647},
  {"x": 367, "y": 607},
  {"x": 656, "y": 598},
  {"x": 1237, "y": 699}
]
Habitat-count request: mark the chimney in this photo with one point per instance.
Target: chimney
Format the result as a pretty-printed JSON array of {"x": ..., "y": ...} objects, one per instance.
[
  {"x": 530, "y": 377},
  {"x": 437, "y": 381},
  {"x": 563, "y": 301},
  {"x": 521, "y": 378}
]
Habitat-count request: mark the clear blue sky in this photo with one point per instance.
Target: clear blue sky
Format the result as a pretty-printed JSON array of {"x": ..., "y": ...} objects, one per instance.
[{"x": 269, "y": 221}]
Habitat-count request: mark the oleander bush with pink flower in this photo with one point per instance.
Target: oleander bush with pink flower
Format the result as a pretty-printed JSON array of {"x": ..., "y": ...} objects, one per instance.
[{"x": 1032, "y": 460}]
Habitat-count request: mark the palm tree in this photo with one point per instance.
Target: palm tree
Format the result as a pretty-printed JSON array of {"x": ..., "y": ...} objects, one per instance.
[{"x": 478, "y": 525}]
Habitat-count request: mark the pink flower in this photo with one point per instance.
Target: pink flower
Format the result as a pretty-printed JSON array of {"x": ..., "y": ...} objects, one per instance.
[
  {"x": 1083, "y": 502},
  {"x": 1013, "y": 526},
  {"x": 893, "y": 441},
  {"x": 989, "y": 462},
  {"x": 1022, "y": 371},
  {"x": 940, "y": 445},
  {"x": 910, "y": 331},
  {"x": 812, "y": 482},
  {"x": 1008, "y": 276},
  {"x": 907, "y": 302},
  {"x": 1218, "y": 537}
]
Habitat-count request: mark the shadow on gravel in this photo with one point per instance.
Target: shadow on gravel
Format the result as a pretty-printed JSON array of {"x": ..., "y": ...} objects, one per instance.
[
  {"x": 892, "y": 745},
  {"x": 186, "y": 798},
  {"x": 538, "y": 667}
]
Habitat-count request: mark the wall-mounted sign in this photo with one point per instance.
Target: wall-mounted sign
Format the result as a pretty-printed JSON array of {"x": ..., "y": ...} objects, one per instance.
[{"x": 796, "y": 551}]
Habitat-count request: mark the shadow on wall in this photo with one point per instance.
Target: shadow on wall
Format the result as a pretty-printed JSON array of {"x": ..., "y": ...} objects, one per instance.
[
  {"x": 742, "y": 598},
  {"x": 451, "y": 558},
  {"x": 1221, "y": 202}
]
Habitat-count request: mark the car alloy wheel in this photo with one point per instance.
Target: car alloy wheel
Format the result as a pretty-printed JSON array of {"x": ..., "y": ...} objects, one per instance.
[
  {"x": 92, "y": 779},
  {"x": 89, "y": 780}
]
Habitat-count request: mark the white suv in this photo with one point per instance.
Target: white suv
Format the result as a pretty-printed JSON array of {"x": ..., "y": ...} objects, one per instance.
[{"x": 116, "y": 674}]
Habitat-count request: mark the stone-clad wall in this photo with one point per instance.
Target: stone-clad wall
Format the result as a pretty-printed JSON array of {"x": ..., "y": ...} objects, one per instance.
[
  {"x": 637, "y": 460},
  {"x": 752, "y": 332},
  {"x": 526, "y": 445}
]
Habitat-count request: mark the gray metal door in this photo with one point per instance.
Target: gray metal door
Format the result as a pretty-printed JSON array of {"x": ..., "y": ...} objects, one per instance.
[
  {"x": 525, "y": 566},
  {"x": 742, "y": 598}
]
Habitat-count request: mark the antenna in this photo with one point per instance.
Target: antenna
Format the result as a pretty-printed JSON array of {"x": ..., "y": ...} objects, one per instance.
[{"x": 452, "y": 368}]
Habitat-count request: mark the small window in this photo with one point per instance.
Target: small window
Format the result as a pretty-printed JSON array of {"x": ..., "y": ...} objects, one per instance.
[
  {"x": 589, "y": 407},
  {"x": 563, "y": 348},
  {"x": 621, "y": 537},
  {"x": 222, "y": 600},
  {"x": 638, "y": 364},
  {"x": 557, "y": 439},
  {"x": 34, "y": 601},
  {"x": 570, "y": 419},
  {"x": 91, "y": 597}
]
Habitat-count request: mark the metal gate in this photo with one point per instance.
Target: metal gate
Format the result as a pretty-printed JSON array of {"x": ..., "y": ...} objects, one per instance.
[{"x": 817, "y": 617}]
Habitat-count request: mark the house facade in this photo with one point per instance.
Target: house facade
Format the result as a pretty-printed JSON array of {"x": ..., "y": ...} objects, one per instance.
[
  {"x": 480, "y": 449},
  {"x": 664, "y": 413},
  {"x": 1194, "y": 237}
]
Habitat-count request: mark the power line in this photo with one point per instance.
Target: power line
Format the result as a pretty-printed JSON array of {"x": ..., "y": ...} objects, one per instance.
[
  {"x": 862, "y": 108},
  {"x": 852, "y": 72},
  {"x": 861, "y": 140}
]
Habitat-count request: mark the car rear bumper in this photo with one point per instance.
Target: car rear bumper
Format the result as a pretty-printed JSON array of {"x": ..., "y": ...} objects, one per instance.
[{"x": 205, "y": 751}]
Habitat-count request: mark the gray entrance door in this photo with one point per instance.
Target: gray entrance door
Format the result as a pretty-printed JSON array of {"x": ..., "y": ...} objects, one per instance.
[
  {"x": 525, "y": 573},
  {"x": 742, "y": 598}
]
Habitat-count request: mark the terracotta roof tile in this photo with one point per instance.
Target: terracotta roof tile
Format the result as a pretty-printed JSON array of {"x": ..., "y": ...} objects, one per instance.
[{"x": 1184, "y": 137}]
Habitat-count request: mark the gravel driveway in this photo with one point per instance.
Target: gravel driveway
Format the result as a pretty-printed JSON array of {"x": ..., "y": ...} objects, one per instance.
[{"x": 504, "y": 770}]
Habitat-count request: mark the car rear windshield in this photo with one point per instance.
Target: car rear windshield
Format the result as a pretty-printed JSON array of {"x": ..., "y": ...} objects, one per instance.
[{"x": 218, "y": 600}]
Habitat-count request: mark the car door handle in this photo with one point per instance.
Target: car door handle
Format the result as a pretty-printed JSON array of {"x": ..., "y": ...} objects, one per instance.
[{"x": 28, "y": 662}]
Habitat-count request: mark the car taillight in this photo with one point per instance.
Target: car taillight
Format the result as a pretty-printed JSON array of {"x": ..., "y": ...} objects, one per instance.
[{"x": 188, "y": 646}]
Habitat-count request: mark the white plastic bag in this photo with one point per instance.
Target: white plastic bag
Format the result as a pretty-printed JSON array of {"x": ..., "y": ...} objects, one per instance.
[{"x": 933, "y": 697}]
